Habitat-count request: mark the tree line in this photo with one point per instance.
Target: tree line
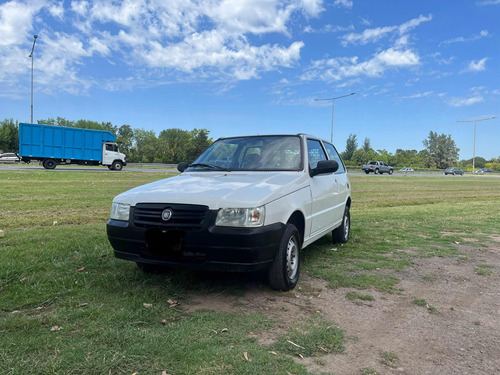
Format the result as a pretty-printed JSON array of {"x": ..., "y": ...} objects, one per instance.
[
  {"x": 140, "y": 146},
  {"x": 440, "y": 152},
  {"x": 174, "y": 145}
]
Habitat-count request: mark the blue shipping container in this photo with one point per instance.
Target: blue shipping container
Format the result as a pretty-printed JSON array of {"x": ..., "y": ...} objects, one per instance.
[{"x": 57, "y": 142}]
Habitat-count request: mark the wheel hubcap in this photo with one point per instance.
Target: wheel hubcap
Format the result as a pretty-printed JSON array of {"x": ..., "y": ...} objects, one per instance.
[{"x": 292, "y": 261}]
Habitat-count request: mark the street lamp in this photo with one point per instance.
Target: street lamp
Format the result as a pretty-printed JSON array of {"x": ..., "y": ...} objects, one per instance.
[
  {"x": 333, "y": 103},
  {"x": 31, "y": 55},
  {"x": 474, "y": 148}
]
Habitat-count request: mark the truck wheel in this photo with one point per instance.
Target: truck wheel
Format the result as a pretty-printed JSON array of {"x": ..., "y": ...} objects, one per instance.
[
  {"x": 49, "y": 163},
  {"x": 376, "y": 171},
  {"x": 367, "y": 172},
  {"x": 284, "y": 272},
  {"x": 390, "y": 171},
  {"x": 117, "y": 165},
  {"x": 110, "y": 167},
  {"x": 341, "y": 234}
]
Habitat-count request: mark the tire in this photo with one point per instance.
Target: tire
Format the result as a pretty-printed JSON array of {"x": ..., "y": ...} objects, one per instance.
[
  {"x": 150, "y": 268},
  {"x": 110, "y": 167},
  {"x": 117, "y": 165},
  {"x": 367, "y": 172},
  {"x": 284, "y": 273},
  {"x": 49, "y": 163},
  {"x": 390, "y": 171},
  {"x": 341, "y": 234},
  {"x": 377, "y": 171}
]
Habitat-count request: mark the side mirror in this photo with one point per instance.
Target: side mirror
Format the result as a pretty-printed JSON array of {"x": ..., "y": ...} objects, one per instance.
[
  {"x": 182, "y": 166},
  {"x": 324, "y": 167}
]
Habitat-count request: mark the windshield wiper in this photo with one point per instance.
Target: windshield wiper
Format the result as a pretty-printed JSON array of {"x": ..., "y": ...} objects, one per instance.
[{"x": 216, "y": 167}]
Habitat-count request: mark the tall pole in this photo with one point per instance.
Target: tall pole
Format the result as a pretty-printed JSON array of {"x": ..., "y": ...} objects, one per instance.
[
  {"x": 32, "y": 57},
  {"x": 474, "y": 147},
  {"x": 333, "y": 107}
]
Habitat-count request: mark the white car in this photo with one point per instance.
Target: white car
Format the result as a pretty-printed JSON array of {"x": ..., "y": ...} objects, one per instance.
[
  {"x": 247, "y": 203},
  {"x": 9, "y": 158}
]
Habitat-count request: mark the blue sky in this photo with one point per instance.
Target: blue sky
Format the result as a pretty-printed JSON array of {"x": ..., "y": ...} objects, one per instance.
[{"x": 255, "y": 67}]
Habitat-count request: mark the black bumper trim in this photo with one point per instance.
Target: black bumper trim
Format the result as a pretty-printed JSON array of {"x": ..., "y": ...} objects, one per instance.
[{"x": 211, "y": 247}]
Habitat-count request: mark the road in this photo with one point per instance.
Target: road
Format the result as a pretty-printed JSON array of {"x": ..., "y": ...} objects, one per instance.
[{"x": 170, "y": 168}]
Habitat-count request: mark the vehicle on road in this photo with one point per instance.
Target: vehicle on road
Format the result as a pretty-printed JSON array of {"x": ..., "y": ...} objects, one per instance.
[
  {"x": 484, "y": 170},
  {"x": 406, "y": 170},
  {"x": 54, "y": 145},
  {"x": 9, "y": 157},
  {"x": 454, "y": 171},
  {"x": 246, "y": 204},
  {"x": 377, "y": 167}
]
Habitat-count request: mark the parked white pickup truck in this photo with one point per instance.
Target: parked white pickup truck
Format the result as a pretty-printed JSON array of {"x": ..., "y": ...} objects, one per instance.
[{"x": 247, "y": 203}]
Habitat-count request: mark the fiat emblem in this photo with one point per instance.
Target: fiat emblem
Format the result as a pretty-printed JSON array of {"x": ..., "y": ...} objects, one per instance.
[{"x": 166, "y": 214}]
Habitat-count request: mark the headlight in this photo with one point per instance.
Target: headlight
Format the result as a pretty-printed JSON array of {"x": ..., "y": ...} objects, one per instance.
[
  {"x": 241, "y": 217},
  {"x": 120, "y": 211}
]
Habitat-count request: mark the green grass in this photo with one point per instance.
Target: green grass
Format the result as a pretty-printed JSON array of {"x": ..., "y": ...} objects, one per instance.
[
  {"x": 355, "y": 296},
  {"x": 57, "y": 269},
  {"x": 423, "y": 303}
]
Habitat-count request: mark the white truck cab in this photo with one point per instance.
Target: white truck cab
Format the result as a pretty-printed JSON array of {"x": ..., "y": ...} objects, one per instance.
[
  {"x": 246, "y": 203},
  {"x": 111, "y": 157}
]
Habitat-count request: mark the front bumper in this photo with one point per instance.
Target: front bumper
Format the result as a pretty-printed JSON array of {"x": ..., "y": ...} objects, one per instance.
[{"x": 208, "y": 247}]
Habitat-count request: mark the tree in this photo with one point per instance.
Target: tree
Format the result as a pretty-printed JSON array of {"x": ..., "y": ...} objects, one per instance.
[
  {"x": 146, "y": 146},
  {"x": 350, "y": 147},
  {"x": 359, "y": 156},
  {"x": 125, "y": 138},
  {"x": 441, "y": 149},
  {"x": 174, "y": 145},
  {"x": 199, "y": 143},
  {"x": 367, "y": 145},
  {"x": 9, "y": 136}
]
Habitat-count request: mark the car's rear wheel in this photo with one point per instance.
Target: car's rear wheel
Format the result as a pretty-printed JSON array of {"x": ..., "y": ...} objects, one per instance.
[
  {"x": 341, "y": 234},
  {"x": 284, "y": 272},
  {"x": 367, "y": 172}
]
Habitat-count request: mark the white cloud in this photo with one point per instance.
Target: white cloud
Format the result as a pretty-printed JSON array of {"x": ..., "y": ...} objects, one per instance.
[
  {"x": 461, "y": 39},
  {"x": 341, "y": 68},
  {"x": 488, "y": 2},
  {"x": 178, "y": 39},
  {"x": 375, "y": 34},
  {"x": 419, "y": 95},
  {"x": 344, "y": 3},
  {"x": 16, "y": 21},
  {"x": 57, "y": 10},
  {"x": 329, "y": 28},
  {"x": 465, "y": 102},
  {"x": 476, "y": 66}
]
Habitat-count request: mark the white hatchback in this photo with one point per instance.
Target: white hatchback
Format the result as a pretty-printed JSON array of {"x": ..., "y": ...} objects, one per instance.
[{"x": 246, "y": 203}]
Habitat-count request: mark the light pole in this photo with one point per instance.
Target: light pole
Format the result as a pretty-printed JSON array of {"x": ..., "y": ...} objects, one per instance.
[
  {"x": 474, "y": 148},
  {"x": 333, "y": 103},
  {"x": 31, "y": 55}
]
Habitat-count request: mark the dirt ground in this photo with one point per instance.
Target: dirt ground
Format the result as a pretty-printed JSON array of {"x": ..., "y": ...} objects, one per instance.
[{"x": 461, "y": 337}]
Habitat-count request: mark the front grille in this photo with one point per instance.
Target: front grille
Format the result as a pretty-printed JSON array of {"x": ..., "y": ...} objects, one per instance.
[{"x": 184, "y": 216}]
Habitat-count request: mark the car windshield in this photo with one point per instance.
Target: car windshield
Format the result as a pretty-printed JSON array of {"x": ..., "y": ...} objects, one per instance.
[{"x": 258, "y": 153}]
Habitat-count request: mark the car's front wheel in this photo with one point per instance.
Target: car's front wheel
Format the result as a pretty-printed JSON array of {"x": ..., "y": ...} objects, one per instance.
[
  {"x": 341, "y": 234},
  {"x": 390, "y": 171},
  {"x": 284, "y": 272}
]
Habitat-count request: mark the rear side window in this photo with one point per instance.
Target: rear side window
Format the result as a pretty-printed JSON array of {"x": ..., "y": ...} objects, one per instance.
[{"x": 333, "y": 155}]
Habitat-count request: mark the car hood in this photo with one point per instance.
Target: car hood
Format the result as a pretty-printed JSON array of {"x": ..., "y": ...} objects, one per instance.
[{"x": 218, "y": 189}]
